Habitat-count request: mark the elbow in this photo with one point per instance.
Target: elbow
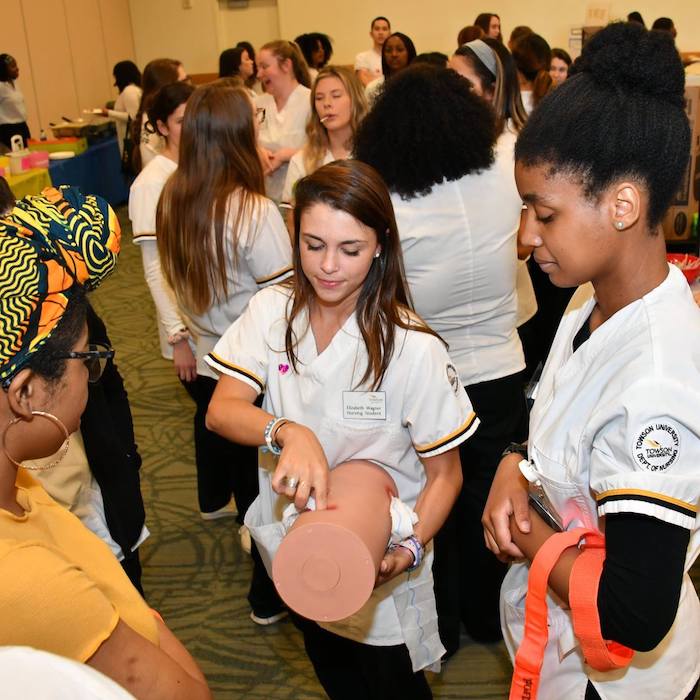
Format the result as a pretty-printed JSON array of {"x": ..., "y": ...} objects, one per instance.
[
  {"x": 212, "y": 420},
  {"x": 647, "y": 637}
]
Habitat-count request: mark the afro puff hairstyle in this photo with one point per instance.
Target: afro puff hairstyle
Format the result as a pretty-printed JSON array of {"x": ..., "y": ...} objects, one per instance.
[
  {"x": 620, "y": 115},
  {"x": 425, "y": 127}
]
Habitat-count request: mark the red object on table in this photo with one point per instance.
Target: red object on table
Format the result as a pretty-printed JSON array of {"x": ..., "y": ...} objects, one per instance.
[{"x": 682, "y": 259}]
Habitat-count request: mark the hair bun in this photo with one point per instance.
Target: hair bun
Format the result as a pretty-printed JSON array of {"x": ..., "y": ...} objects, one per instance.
[{"x": 625, "y": 56}]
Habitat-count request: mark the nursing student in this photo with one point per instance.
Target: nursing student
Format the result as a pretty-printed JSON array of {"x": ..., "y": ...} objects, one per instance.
[
  {"x": 220, "y": 240},
  {"x": 344, "y": 323},
  {"x": 614, "y": 440},
  {"x": 165, "y": 117},
  {"x": 284, "y": 110},
  {"x": 338, "y": 105}
]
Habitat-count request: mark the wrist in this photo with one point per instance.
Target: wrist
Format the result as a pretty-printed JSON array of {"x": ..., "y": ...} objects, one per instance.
[{"x": 283, "y": 431}]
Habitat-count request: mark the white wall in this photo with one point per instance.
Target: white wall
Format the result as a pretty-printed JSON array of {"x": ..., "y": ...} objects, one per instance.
[
  {"x": 434, "y": 26},
  {"x": 65, "y": 50},
  {"x": 197, "y": 35}
]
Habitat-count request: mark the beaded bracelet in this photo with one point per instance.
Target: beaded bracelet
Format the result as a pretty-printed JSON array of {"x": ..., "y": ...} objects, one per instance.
[
  {"x": 270, "y": 433},
  {"x": 414, "y": 546}
]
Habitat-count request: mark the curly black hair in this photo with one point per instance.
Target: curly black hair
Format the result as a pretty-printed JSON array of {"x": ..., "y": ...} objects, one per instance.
[
  {"x": 619, "y": 115},
  {"x": 308, "y": 43},
  {"x": 44, "y": 361},
  {"x": 425, "y": 127}
]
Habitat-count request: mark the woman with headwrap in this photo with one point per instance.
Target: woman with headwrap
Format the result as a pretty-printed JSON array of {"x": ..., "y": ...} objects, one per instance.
[{"x": 63, "y": 590}]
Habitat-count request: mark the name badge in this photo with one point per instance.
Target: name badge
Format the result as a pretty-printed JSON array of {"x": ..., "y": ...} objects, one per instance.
[{"x": 364, "y": 405}]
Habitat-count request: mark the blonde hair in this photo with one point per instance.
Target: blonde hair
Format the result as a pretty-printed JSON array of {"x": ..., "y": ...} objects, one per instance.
[
  {"x": 284, "y": 50},
  {"x": 317, "y": 135},
  {"x": 218, "y": 158}
]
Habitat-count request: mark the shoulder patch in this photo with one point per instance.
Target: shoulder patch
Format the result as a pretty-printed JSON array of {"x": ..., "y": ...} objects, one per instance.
[
  {"x": 452, "y": 377},
  {"x": 657, "y": 446}
]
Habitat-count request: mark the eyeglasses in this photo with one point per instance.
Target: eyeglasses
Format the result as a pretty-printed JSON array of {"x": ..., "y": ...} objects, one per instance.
[
  {"x": 260, "y": 115},
  {"x": 95, "y": 359}
]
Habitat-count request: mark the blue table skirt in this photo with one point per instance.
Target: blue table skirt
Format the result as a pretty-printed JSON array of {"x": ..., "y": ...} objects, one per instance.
[{"x": 96, "y": 171}]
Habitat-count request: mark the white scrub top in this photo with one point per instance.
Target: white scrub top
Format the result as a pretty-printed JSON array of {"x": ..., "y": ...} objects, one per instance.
[
  {"x": 263, "y": 257},
  {"x": 143, "y": 202},
  {"x": 285, "y": 129},
  {"x": 295, "y": 172},
  {"x": 615, "y": 428},
  {"x": 460, "y": 255},
  {"x": 426, "y": 412}
]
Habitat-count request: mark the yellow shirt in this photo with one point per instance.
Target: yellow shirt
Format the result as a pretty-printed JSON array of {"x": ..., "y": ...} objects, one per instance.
[{"x": 62, "y": 590}]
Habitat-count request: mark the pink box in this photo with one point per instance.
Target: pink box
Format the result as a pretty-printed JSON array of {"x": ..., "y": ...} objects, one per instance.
[{"x": 38, "y": 159}]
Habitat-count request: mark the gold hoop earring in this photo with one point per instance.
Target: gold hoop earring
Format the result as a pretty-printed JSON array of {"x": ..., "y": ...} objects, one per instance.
[{"x": 61, "y": 453}]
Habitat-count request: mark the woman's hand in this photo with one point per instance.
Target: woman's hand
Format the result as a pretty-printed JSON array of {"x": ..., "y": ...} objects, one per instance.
[
  {"x": 395, "y": 562},
  {"x": 302, "y": 459},
  {"x": 265, "y": 157},
  {"x": 280, "y": 157},
  {"x": 184, "y": 361},
  {"x": 508, "y": 497}
]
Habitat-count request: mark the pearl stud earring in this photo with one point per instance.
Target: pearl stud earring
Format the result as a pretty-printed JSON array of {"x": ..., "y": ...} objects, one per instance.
[{"x": 619, "y": 225}]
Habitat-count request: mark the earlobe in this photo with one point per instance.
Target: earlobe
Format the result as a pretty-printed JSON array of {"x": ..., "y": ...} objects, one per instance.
[{"x": 626, "y": 205}]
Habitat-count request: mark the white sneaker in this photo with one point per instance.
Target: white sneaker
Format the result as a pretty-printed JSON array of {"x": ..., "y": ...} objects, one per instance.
[
  {"x": 228, "y": 511},
  {"x": 244, "y": 534},
  {"x": 264, "y": 621}
]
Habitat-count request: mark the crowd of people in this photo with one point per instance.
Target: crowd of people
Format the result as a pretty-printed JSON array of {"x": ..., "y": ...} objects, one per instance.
[{"x": 413, "y": 227}]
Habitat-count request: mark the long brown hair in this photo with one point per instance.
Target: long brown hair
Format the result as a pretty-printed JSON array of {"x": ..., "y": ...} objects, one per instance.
[
  {"x": 317, "y": 136},
  {"x": 156, "y": 74},
  {"x": 284, "y": 50},
  {"x": 218, "y": 157},
  {"x": 384, "y": 302},
  {"x": 533, "y": 57}
]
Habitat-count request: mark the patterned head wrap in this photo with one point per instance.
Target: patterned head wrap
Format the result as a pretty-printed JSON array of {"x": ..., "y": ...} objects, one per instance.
[{"x": 49, "y": 245}]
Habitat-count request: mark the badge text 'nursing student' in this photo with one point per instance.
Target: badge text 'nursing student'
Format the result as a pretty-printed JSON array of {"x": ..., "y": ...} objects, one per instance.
[{"x": 364, "y": 405}]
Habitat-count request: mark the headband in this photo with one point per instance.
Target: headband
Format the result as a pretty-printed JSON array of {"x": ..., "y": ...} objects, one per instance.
[
  {"x": 50, "y": 244},
  {"x": 485, "y": 54}
]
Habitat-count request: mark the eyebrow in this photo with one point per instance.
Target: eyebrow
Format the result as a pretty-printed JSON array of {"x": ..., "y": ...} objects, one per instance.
[
  {"x": 532, "y": 198},
  {"x": 318, "y": 238}
]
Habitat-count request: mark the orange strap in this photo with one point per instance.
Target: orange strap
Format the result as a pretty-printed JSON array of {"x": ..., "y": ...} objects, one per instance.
[
  {"x": 528, "y": 660},
  {"x": 583, "y": 600}
]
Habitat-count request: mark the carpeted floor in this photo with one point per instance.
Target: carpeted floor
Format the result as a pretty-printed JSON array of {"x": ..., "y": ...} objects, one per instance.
[{"x": 195, "y": 573}]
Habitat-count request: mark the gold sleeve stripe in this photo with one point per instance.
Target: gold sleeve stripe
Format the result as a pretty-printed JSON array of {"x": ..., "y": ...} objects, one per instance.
[
  {"x": 648, "y": 497},
  {"x": 271, "y": 278},
  {"x": 422, "y": 449},
  {"x": 239, "y": 370},
  {"x": 139, "y": 237}
]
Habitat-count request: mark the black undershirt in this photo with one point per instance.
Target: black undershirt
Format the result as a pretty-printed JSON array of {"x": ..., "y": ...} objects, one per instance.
[{"x": 642, "y": 575}]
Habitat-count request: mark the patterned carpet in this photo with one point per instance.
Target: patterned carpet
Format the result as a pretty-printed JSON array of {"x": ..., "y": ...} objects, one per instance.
[{"x": 195, "y": 573}]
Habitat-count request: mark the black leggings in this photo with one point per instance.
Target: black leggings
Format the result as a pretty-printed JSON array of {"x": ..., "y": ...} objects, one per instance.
[
  {"x": 591, "y": 693},
  {"x": 349, "y": 670},
  {"x": 223, "y": 467}
]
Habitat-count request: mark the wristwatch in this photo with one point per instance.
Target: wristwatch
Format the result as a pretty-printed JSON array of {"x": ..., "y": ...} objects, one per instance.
[{"x": 515, "y": 448}]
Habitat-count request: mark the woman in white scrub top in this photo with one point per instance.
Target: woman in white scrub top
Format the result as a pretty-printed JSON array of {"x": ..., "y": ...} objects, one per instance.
[
  {"x": 284, "y": 76},
  {"x": 457, "y": 208},
  {"x": 220, "y": 240},
  {"x": 338, "y": 106},
  {"x": 166, "y": 115},
  {"x": 344, "y": 325},
  {"x": 614, "y": 440}
]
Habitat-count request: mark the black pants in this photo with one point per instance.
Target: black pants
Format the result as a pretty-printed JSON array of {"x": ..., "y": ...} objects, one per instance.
[
  {"x": 467, "y": 576},
  {"x": 7, "y": 131},
  {"x": 223, "y": 467},
  {"x": 349, "y": 670},
  {"x": 132, "y": 568},
  {"x": 591, "y": 693}
]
